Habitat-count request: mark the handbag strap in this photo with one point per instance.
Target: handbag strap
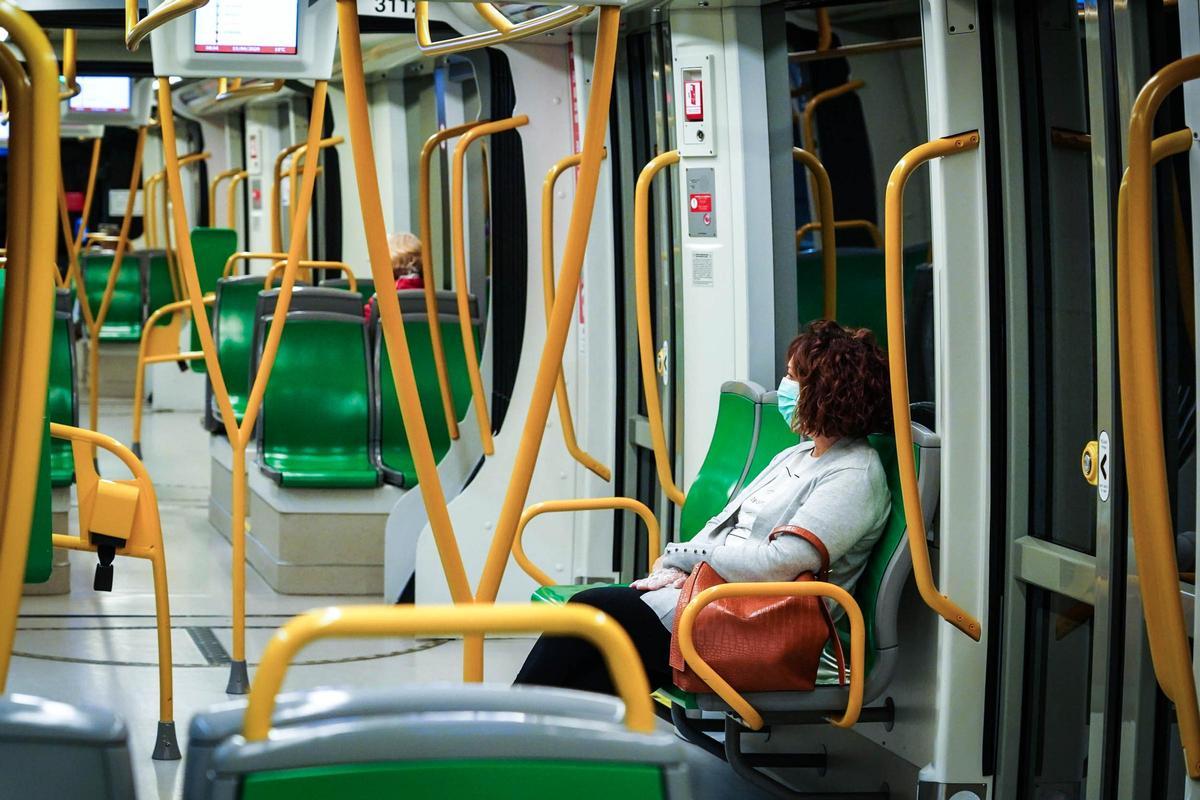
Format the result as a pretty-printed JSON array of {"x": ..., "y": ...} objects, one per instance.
[{"x": 822, "y": 575}]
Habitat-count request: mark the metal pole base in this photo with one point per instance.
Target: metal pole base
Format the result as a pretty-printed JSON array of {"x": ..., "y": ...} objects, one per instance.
[
  {"x": 166, "y": 744},
  {"x": 239, "y": 678}
]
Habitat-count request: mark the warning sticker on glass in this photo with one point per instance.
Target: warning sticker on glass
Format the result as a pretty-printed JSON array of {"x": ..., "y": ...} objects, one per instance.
[{"x": 702, "y": 269}]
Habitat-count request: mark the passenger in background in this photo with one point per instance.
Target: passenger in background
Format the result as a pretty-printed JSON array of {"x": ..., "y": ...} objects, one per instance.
[
  {"x": 405, "y": 250},
  {"x": 832, "y": 486}
]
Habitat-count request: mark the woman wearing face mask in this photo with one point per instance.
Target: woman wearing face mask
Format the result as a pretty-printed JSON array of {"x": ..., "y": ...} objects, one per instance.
[{"x": 832, "y": 486}]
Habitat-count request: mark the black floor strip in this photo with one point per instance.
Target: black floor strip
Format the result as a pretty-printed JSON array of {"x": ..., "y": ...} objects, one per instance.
[{"x": 206, "y": 642}]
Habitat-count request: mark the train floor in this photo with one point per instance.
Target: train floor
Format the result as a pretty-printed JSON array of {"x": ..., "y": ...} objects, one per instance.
[{"x": 100, "y": 648}]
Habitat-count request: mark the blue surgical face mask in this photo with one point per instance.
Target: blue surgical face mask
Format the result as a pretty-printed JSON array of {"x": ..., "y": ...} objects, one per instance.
[{"x": 789, "y": 395}]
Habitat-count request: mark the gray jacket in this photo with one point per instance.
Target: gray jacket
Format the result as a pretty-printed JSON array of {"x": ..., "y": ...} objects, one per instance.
[{"x": 842, "y": 497}]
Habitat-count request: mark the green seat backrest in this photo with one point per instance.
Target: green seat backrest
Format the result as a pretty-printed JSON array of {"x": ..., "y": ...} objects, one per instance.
[
  {"x": 333, "y": 448},
  {"x": 62, "y": 403},
  {"x": 508, "y": 779},
  {"x": 38, "y": 557},
  {"x": 233, "y": 334},
  {"x": 862, "y": 301},
  {"x": 125, "y": 312},
  {"x": 366, "y": 286},
  {"x": 394, "y": 454},
  {"x": 211, "y": 247},
  {"x": 725, "y": 464},
  {"x": 159, "y": 278}
]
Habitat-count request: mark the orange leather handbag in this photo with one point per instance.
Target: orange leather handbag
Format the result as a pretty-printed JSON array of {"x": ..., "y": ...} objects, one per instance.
[{"x": 758, "y": 644}]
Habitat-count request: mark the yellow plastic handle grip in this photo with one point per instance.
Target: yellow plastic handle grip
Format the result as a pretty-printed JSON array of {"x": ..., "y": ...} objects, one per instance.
[
  {"x": 502, "y": 30},
  {"x": 138, "y": 29}
]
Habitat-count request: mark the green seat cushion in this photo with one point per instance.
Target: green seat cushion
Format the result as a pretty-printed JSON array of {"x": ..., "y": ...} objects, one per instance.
[
  {"x": 332, "y": 449},
  {"x": 233, "y": 331},
  {"x": 395, "y": 454},
  {"x": 459, "y": 778},
  {"x": 862, "y": 299},
  {"x": 724, "y": 465},
  {"x": 123, "y": 322},
  {"x": 559, "y": 595},
  {"x": 161, "y": 290},
  {"x": 61, "y": 402},
  {"x": 211, "y": 248}
]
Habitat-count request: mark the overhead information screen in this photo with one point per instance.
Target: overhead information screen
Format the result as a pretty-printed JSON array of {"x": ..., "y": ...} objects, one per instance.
[
  {"x": 102, "y": 94},
  {"x": 249, "y": 27}
]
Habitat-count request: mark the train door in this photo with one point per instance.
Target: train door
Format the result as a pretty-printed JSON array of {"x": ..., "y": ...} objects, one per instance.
[
  {"x": 645, "y": 128},
  {"x": 1081, "y": 715}
]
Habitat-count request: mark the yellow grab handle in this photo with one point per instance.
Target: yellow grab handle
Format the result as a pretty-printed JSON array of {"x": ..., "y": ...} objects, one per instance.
[
  {"x": 893, "y": 251},
  {"x": 461, "y": 284},
  {"x": 277, "y": 186},
  {"x": 231, "y": 198},
  {"x": 136, "y": 30},
  {"x": 85, "y": 214},
  {"x": 654, "y": 545},
  {"x": 641, "y": 285},
  {"x": 747, "y": 712},
  {"x": 29, "y": 302},
  {"x": 70, "y": 42},
  {"x": 212, "y": 193},
  {"x": 252, "y": 89},
  {"x": 844, "y": 224},
  {"x": 248, "y": 256},
  {"x": 560, "y": 388},
  {"x": 586, "y": 623},
  {"x": 824, "y": 194},
  {"x": 502, "y": 30},
  {"x": 428, "y": 278},
  {"x": 278, "y": 267},
  {"x": 150, "y": 210},
  {"x": 1149, "y": 500}
]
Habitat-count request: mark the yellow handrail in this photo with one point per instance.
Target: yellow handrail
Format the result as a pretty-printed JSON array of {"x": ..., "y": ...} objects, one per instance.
[
  {"x": 252, "y": 89},
  {"x": 824, "y": 195},
  {"x": 560, "y": 388},
  {"x": 279, "y": 266},
  {"x": 293, "y": 172},
  {"x": 376, "y": 621},
  {"x": 844, "y": 224},
  {"x": 70, "y": 41},
  {"x": 172, "y": 257},
  {"x": 747, "y": 712},
  {"x": 212, "y": 193},
  {"x": 277, "y": 187},
  {"x": 462, "y": 286},
  {"x": 248, "y": 256},
  {"x": 1145, "y": 465},
  {"x": 411, "y": 413},
  {"x": 814, "y": 102},
  {"x": 29, "y": 297},
  {"x": 150, "y": 209},
  {"x": 893, "y": 227},
  {"x": 231, "y": 200},
  {"x": 641, "y": 287},
  {"x": 595, "y": 129},
  {"x": 89, "y": 194},
  {"x": 239, "y": 435},
  {"x": 428, "y": 278},
  {"x": 503, "y": 30},
  {"x": 136, "y": 30},
  {"x": 653, "y": 538}
]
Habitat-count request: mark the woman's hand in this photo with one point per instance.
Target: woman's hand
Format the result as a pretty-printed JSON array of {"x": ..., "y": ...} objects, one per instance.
[{"x": 661, "y": 579}]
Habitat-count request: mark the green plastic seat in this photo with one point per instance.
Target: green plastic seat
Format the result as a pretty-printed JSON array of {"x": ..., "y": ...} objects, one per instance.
[
  {"x": 333, "y": 449},
  {"x": 211, "y": 248},
  {"x": 63, "y": 402},
  {"x": 366, "y": 286},
  {"x": 158, "y": 279},
  {"x": 392, "y": 453},
  {"x": 233, "y": 335},
  {"x": 126, "y": 312},
  {"x": 862, "y": 299}
]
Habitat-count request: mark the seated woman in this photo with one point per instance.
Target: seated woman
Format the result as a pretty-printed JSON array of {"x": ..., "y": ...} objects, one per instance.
[
  {"x": 405, "y": 251},
  {"x": 836, "y": 392}
]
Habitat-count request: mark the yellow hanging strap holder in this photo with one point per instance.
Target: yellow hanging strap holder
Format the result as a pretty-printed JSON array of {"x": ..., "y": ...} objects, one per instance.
[
  {"x": 918, "y": 543},
  {"x": 31, "y": 86},
  {"x": 560, "y": 388},
  {"x": 1150, "y": 507}
]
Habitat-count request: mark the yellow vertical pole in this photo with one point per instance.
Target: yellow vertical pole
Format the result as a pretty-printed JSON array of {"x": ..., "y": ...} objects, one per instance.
[
  {"x": 276, "y": 197},
  {"x": 25, "y": 350},
  {"x": 824, "y": 194},
  {"x": 431, "y": 307},
  {"x": 550, "y": 362},
  {"x": 412, "y": 414},
  {"x": 232, "y": 198},
  {"x": 88, "y": 195},
  {"x": 560, "y": 387}
]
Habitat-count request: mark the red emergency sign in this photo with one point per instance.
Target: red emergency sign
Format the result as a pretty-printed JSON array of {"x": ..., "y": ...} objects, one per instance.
[
  {"x": 700, "y": 202},
  {"x": 693, "y": 100}
]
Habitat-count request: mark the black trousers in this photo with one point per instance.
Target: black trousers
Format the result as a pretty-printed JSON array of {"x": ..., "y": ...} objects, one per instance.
[{"x": 573, "y": 663}]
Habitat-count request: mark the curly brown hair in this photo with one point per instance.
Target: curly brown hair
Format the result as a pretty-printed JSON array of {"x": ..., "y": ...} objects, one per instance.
[{"x": 845, "y": 388}]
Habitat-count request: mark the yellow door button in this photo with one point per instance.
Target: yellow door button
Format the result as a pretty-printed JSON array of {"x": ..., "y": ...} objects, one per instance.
[{"x": 1090, "y": 462}]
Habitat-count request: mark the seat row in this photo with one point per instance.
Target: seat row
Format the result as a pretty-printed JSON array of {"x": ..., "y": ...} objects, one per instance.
[{"x": 333, "y": 360}]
